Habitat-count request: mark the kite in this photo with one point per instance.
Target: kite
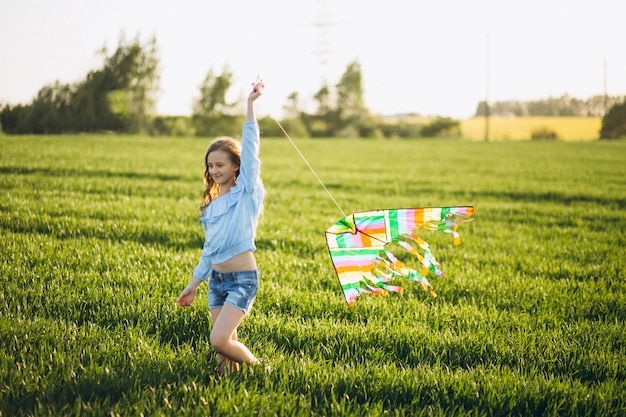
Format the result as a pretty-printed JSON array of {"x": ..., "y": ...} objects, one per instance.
[
  {"x": 359, "y": 243},
  {"x": 358, "y": 246}
]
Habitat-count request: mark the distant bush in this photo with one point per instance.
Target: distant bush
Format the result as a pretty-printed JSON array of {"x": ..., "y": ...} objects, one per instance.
[
  {"x": 293, "y": 126},
  {"x": 442, "y": 127},
  {"x": 544, "y": 133},
  {"x": 214, "y": 125},
  {"x": 614, "y": 123},
  {"x": 171, "y": 126},
  {"x": 348, "y": 132},
  {"x": 400, "y": 129}
]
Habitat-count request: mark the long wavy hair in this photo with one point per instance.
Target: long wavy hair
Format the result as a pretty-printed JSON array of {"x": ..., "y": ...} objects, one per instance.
[{"x": 212, "y": 189}]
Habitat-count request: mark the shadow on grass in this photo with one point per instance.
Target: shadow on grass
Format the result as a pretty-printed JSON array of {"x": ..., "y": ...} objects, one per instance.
[
  {"x": 59, "y": 172},
  {"x": 97, "y": 387},
  {"x": 143, "y": 236}
]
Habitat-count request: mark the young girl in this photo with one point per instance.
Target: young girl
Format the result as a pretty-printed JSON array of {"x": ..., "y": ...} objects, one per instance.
[{"x": 231, "y": 205}]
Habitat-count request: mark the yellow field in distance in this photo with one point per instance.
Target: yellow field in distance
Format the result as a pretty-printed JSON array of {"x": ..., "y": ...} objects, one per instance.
[{"x": 521, "y": 128}]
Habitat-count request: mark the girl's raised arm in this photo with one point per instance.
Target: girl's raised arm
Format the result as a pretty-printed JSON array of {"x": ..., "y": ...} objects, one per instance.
[{"x": 257, "y": 91}]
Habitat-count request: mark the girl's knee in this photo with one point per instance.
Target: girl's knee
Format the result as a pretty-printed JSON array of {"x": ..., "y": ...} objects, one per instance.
[{"x": 219, "y": 343}]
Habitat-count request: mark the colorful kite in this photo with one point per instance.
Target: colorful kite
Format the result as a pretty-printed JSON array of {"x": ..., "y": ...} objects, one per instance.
[{"x": 359, "y": 252}]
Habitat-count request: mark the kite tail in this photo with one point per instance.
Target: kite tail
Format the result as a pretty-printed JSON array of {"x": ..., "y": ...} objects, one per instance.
[
  {"x": 374, "y": 282},
  {"x": 395, "y": 268}
]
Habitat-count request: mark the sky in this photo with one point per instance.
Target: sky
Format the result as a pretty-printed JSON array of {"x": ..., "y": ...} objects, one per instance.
[{"x": 426, "y": 57}]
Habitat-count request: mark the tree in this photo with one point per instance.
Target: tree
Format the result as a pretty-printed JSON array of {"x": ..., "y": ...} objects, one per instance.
[
  {"x": 131, "y": 77},
  {"x": 323, "y": 122},
  {"x": 10, "y": 117},
  {"x": 324, "y": 102},
  {"x": 343, "y": 113},
  {"x": 350, "y": 105},
  {"x": 614, "y": 122},
  {"x": 211, "y": 113},
  {"x": 213, "y": 93},
  {"x": 291, "y": 123},
  {"x": 559, "y": 106},
  {"x": 116, "y": 97},
  {"x": 292, "y": 107}
]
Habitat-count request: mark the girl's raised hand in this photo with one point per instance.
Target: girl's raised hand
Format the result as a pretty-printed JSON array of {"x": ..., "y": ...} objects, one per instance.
[{"x": 257, "y": 88}]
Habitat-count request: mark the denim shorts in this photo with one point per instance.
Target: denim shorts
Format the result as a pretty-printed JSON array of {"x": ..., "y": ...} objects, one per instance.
[{"x": 237, "y": 289}]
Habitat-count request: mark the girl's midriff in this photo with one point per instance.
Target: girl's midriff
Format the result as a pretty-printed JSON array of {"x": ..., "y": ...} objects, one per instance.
[{"x": 243, "y": 262}]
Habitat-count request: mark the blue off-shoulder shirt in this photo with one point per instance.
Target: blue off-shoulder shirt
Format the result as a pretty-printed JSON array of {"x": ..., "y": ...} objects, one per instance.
[{"x": 230, "y": 221}]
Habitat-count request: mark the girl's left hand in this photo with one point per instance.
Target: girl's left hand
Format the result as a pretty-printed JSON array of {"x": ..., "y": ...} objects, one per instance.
[{"x": 186, "y": 297}]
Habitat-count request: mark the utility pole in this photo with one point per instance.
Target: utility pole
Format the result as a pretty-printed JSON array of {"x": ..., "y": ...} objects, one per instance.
[
  {"x": 606, "y": 94},
  {"x": 323, "y": 22},
  {"x": 487, "y": 96}
]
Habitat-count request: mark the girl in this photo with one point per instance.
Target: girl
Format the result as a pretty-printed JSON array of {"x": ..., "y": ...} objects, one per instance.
[{"x": 231, "y": 205}]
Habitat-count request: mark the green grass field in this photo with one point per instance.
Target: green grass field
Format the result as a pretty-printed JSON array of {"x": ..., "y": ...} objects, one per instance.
[{"x": 100, "y": 233}]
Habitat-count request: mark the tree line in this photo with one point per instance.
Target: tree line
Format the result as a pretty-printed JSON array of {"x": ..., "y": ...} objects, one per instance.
[
  {"x": 612, "y": 109},
  {"x": 117, "y": 97},
  {"x": 120, "y": 97},
  {"x": 596, "y": 106}
]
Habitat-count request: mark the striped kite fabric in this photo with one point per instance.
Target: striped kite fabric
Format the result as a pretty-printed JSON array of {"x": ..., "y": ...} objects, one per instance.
[{"x": 359, "y": 252}]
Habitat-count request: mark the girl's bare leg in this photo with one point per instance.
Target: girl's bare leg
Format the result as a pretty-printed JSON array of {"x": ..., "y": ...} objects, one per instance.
[
  {"x": 224, "y": 336},
  {"x": 226, "y": 365}
]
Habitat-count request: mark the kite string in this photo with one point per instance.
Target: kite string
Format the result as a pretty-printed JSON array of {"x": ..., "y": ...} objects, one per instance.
[{"x": 311, "y": 168}]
